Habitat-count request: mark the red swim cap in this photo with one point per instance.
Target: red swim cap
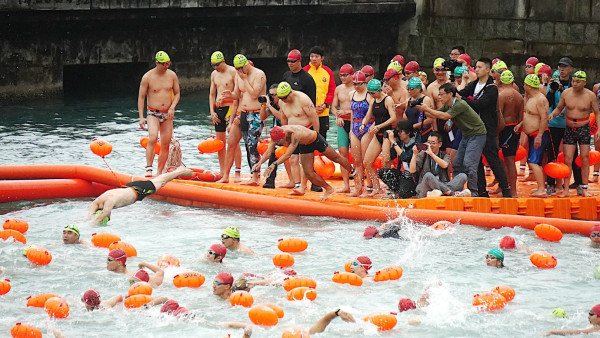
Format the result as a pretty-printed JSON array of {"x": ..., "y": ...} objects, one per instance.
[
  {"x": 495, "y": 60},
  {"x": 595, "y": 228},
  {"x": 251, "y": 63},
  {"x": 466, "y": 58},
  {"x": 347, "y": 69},
  {"x": 142, "y": 275},
  {"x": 406, "y": 304},
  {"x": 359, "y": 77},
  {"x": 289, "y": 272},
  {"x": 412, "y": 66},
  {"x": 398, "y": 58},
  {"x": 367, "y": 70},
  {"x": 277, "y": 133},
  {"x": 545, "y": 69},
  {"x": 169, "y": 306},
  {"x": 370, "y": 231},
  {"x": 219, "y": 249},
  {"x": 225, "y": 277},
  {"x": 294, "y": 54},
  {"x": 181, "y": 311},
  {"x": 507, "y": 242},
  {"x": 596, "y": 310},
  {"x": 391, "y": 73},
  {"x": 118, "y": 255},
  {"x": 91, "y": 298},
  {"x": 532, "y": 61},
  {"x": 365, "y": 262}
]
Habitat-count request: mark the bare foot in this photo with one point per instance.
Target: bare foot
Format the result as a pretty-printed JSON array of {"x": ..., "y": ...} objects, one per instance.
[
  {"x": 225, "y": 179},
  {"x": 585, "y": 193},
  {"x": 528, "y": 178},
  {"x": 289, "y": 185},
  {"x": 297, "y": 192},
  {"x": 538, "y": 193},
  {"x": 372, "y": 193},
  {"x": 251, "y": 183},
  {"x": 565, "y": 193},
  {"x": 355, "y": 194},
  {"x": 328, "y": 191},
  {"x": 237, "y": 178},
  {"x": 343, "y": 190}
]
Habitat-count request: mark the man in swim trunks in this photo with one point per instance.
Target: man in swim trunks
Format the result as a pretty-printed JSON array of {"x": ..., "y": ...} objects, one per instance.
[
  {"x": 222, "y": 79},
  {"x": 444, "y": 127},
  {"x": 161, "y": 86},
  {"x": 579, "y": 102},
  {"x": 535, "y": 125},
  {"x": 70, "y": 235},
  {"x": 495, "y": 257},
  {"x": 343, "y": 117},
  {"x": 392, "y": 86},
  {"x": 308, "y": 141},
  {"x": 594, "y": 319},
  {"x": 222, "y": 285},
  {"x": 510, "y": 105},
  {"x": 91, "y": 300},
  {"x": 231, "y": 240},
  {"x": 133, "y": 191},
  {"x": 143, "y": 276},
  {"x": 216, "y": 253}
]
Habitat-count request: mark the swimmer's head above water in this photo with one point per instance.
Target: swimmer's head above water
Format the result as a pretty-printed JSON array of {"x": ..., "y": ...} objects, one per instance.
[
  {"x": 91, "y": 299},
  {"x": 495, "y": 257},
  {"x": 595, "y": 234},
  {"x": 70, "y": 234},
  {"x": 216, "y": 253}
]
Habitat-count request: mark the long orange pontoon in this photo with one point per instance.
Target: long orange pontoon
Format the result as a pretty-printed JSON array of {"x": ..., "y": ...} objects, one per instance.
[{"x": 68, "y": 181}]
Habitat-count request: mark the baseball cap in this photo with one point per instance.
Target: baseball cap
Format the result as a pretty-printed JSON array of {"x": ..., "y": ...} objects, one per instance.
[
  {"x": 367, "y": 70},
  {"x": 294, "y": 54},
  {"x": 277, "y": 133},
  {"x": 347, "y": 69},
  {"x": 565, "y": 61},
  {"x": 365, "y": 262},
  {"x": 118, "y": 255}
]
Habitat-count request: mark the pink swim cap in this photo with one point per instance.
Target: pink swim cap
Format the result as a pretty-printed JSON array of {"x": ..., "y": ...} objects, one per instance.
[
  {"x": 142, "y": 275},
  {"x": 532, "y": 61},
  {"x": 219, "y": 249},
  {"x": 225, "y": 277},
  {"x": 595, "y": 228},
  {"x": 596, "y": 310},
  {"x": 359, "y": 77},
  {"x": 406, "y": 304},
  {"x": 91, "y": 298},
  {"x": 370, "y": 231},
  {"x": 367, "y": 70},
  {"x": 169, "y": 306},
  {"x": 507, "y": 242},
  {"x": 466, "y": 58},
  {"x": 118, "y": 255}
]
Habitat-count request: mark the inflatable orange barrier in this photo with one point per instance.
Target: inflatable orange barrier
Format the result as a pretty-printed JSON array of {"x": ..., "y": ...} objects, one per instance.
[
  {"x": 56, "y": 307},
  {"x": 489, "y": 301},
  {"x": 388, "y": 273},
  {"x": 263, "y": 315},
  {"x": 347, "y": 278},
  {"x": 101, "y": 147},
  {"x": 283, "y": 260},
  {"x": 135, "y": 301},
  {"x": 104, "y": 240},
  {"x": 129, "y": 249},
  {"x": 30, "y": 190},
  {"x": 543, "y": 260},
  {"x": 506, "y": 291},
  {"x": 140, "y": 288},
  {"x": 168, "y": 260},
  {"x": 548, "y": 232},
  {"x": 295, "y": 282},
  {"x": 16, "y": 224},
  {"x": 276, "y": 308},
  {"x": 20, "y": 330},
  {"x": 16, "y": 236},
  {"x": 4, "y": 286},
  {"x": 295, "y": 332},
  {"x": 383, "y": 321},
  {"x": 210, "y": 145},
  {"x": 243, "y": 298},
  {"x": 189, "y": 280},
  {"x": 144, "y": 143},
  {"x": 301, "y": 293},
  {"x": 40, "y": 300},
  {"x": 292, "y": 244},
  {"x": 39, "y": 256}
]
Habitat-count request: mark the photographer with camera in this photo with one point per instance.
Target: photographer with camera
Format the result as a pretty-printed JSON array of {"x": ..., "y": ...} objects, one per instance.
[{"x": 400, "y": 181}]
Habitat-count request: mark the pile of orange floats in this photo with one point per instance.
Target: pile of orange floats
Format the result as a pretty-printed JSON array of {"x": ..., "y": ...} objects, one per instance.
[
  {"x": 489, "y": 301},
  {"x": 135, "y": 301},
  {"x": 140, "y": 288},
  {"x": 190, "y": 279},
  {"x": 284, "y": 260},
  {"x": 40, "y": 300},
  {"x": 383, "y": 321},
  {"x": 301, "y": 293},
  {"x": 129, "y": 249},
  {"x": 104, "y": 240},
  {"x": 16, "y": 224},
  {"x": 144, "y": 143},
  {"x": 210, "y": 145},
  {"x": 543, "y": 260},
  {"x": 388, "y": 273},
  {"x": 4, "y": 286},
  {"x": 16, "y": 236},
  {"x": 292, "y": 244},
  {"x": 243, "y": 298},
  {"x": 167, "y": 260},
  {"x": 56, "y": 307},
  {"x": 506, "y": 291},
  {"x": 347, "y": 278},
  {"x": 20, "y": 330},
  {"x": 39, "y": 256},
  {"x": 295, "y": 282},
  {"x": 548, "y": 232},
  {"x": 263, "y": 315}
]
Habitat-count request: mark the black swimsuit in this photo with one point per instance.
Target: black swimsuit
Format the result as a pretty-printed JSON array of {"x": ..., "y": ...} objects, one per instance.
[
  {"x": 381, "y": 115},
  {"x": 142, "y": 188}
]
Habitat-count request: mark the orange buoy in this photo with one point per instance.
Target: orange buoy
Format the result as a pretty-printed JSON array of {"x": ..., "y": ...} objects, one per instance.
[
  {"x": 548, "y": 232},
  {"x": 324, "y": 166},
  {"x": 280, "y": 151},
  {"x": 262, "y": 146},
  {"x": 56, "y": 307},
  {"x": 292, "y": 245},
  {"x": 506, "y": 291},
  {"x": 521, "y": 153},
  {"x": 135, "y": 301},
  {"x": 140, "y": 288},
  {"x": 593, "y": 158},
  {"x": 277, "y": 309},
  {"x": 4, "y": 286},
  {"x": 20, "y": 330},
  {"x": 40, "y": 300},
  {"x": 283, "y": 260},
  {"x": 383, "y": 321},
  {"x": 301, "y": 293},
  {"x": 210, "y": 145},
  {"x": 388, "y": 273},
  {"x": 190, "y": 279},
  {"x": 243, "y": 298},
  {"x": 144, "y": 142},
  {"x": 347, "y": 278},
  {"x": 39, "y": 256},
  {"x": 295, "y": 332},
  {"x": 489, "y": 301},
  {"x": 104, "y": 240},
  {"x": 17, "y": 236},
  {"x": 168, "y": 260},
  {"x": 295, "y": 282},
  {"x": 557, "y": 170},
  {"x": 100, "y": 147},
  {"x": 16, "y": 224},
  {"x": 128, "y": 248},
  {"x": 378, "y": 163},
  {"x": 543, "y": 260},
  {"x": 348, "y": 266},
  {"x": 263, "y": 315}
]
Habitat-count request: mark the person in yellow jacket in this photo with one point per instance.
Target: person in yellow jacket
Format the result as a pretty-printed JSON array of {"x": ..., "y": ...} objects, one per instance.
[{"x": 325, "y": 86}]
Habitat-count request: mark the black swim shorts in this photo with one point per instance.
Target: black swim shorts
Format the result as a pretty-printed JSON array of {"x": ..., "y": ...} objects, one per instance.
[
  {"x": 142, "y": 188},
  {"x": 318, "y": 144},
  {"x": 579, "y": 135},
  {"x": 221, "y": 112}
]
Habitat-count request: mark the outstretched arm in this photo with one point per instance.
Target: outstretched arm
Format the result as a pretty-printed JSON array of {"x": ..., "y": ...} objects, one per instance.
[{"x": 322, "y": 324}]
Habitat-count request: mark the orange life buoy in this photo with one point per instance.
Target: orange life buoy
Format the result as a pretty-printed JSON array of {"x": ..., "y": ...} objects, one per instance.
[
  {"x": 210, "y": 145},
  {"x": 548, "y": 232},
  {"x": 4, "y": 286},
  {"x": 388, "y": 273},
  {"x": 135, "y": 301},
  {"x": 383, "y": 321},
  {"x": 280, "y": 151},
  {"x": 16, "y": 224},
  {"x": 543, "y": 260},
  {"x": 167, "y": 260},
  {"x": 283, "y": 260},
  {"x": 301, "y": 293},
  {"x": 100, "y": 147},
  {"x": 506, "y": 291},
  {"x": 20, "y": 330},
  {"x": 489, "y": 301},
  {"x": 140, "y": 288},
  {"x": 129, "y": 249},
  {"x": 17, "y": 236},
  {"x": 294, "y": 332},
  {"x": 39, "y": 256},
  {"x": 190, "y": 279},
  {"x": 262, "y": 146},
  {"x": 347, "y": 278},
  {"x": 263, "y": 315},
  {"x": 348, "y": 266},
  {"x": 243, "y": 298},
  {"x": 557, "y": 170},
  {"x": 104, "y": 240},
  {"x": 292, "y": 244},
  {"x": 294, "y": 282},
  {"x": 276, "y": 308},
  {"x": 323, "y": 166},
  {"x": 144, "y": 142},
  {"x": 40, "y": 300},
  {"x": 56, "y": 307}
]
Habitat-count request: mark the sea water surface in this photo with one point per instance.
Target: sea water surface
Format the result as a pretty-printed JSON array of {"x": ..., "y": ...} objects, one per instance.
[{"x": 451, "y": 263}]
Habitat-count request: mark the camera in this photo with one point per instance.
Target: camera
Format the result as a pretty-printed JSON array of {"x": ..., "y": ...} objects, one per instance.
[
  {"x": 450, "y": 65},
  {"x": 386, "y": 133},
  {"x": 421, "y": 146},
  {"x": 554, "y": 84},
  {"x": 262, "y": 99}
]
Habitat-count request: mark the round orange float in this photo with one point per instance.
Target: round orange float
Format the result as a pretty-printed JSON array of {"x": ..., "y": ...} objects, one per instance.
[
  {"x": 16, "y": 236},
  {"x": 144, "y": 142},
  {"x": 383, "y": 321},
  {"x": 190, "y": 279},
  {"x": 129, "y": 249},
  {"x": 262, "y": 146},
  {"x": 104, "y": 240},
  {"x": 506, "y": 291},
  {"x": 301, "y": 293},
  {"x": 283, "y": 260},
  {"x": 276, "y": 308},
  {"x": 168, "y": 260},
  {"x": 56, "y": 307},
  {"x": 295, "y": 332},
  {"x": 135, "y": 301},
  {"x": 543, "y": 260},
  {"x": 557, "y": 170},
  {"x": 4, "y": 286},
  {"x": 263, "y": 315},
  {"x": 280, "y": 151},
  {"x": 243, "y": 298},
  {"x": 324, "y": 166},
  {"x": 489, "y": 301},
  {"x": 292, "y": 245},
  {"x": 210, "y": 145},
  {"x": 295, "y": 282},
  {"x": 594, "y": 158},
  {"x": 548, "y": 232},
  {"x": 388, "y": 273},
  {"x": 348, "y": 266},
  {"x": 20, "y": 330},
  {"x": 100, "y": 147},
  {"x": 39, "y": 256},
  {"x": 140, "y": 288},
  {"x": 347, "y": 278},
  {"x": 16, "y": 224},
  {"x": 40, "y": 300}
]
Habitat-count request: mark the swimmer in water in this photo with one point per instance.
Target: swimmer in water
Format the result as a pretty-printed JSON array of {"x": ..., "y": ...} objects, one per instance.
[
  {"x": 222, "y": 285},
  {"x": 116, "y": 262},
  {"x": 360, "y": 266},
  {"x": 386, "y": 230},
  {"x": 91, "y": 299},
  {"x": 231, "y": 239},
  {"x": 593, "y": 317},
  {"x": 495, "y": 257},
  {"x": 142, "y": 275},
  {"x": 216, "y": 253},
  {"x": 595, "y": 235},
  {"x": 70, "y": 235}
]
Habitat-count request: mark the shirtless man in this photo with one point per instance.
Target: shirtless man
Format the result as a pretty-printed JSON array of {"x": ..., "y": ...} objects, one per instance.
[
  {"x": 297, "y": 109},
  {"x": 579, "y": 102},
  {"x": 250, "y": 83},
  {"x": 133, "y": 191},
  {"x": 535, "y": 125},
  {"x": 91, "y": 299},
  {"x": 162, "y": 88},
  {"x": 308, "y": 141},
  {"x": 343, "y": 117},
  {"x": 116, "y": 262},
  {"x": 222, "y": 79},
  {"x": 510, "y": 105}
]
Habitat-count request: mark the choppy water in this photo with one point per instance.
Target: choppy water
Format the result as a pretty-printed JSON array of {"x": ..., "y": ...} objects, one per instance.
[{"x": 59, "y": 133}]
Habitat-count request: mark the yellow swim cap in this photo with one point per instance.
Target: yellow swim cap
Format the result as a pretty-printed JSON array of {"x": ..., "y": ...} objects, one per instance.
[
  {"x": 438, "y": 62},
  {"x": 232, "y": 232},
  {"x": 507, "y": 77},
  {"x": 499, "y": 65},
  {"x": 537, "y": 67},
  {"x": 239, "y": 61},
  {"x": 284, "y": 89},
  {"x": 395, "y": 65},
  {"x": 580, "y": 75},
  {"x": 217, "y": 57},
  {"x": 162, "y": 57},
  {"x": 532, "y": 80}
]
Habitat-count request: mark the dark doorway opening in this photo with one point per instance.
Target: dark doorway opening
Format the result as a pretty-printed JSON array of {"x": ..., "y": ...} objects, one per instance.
[{"x": 103, "y": 80}]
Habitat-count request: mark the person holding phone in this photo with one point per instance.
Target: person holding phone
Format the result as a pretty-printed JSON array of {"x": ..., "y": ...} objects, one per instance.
[{"x": 399, "y": 180}]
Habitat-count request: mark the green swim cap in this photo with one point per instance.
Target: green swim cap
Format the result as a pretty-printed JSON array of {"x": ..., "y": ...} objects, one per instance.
[
  {"x": 232, "y": 232},
  {"x": 438, "y": 62},
  {"x": 395, "y": 65},
  {"x": 597, "y": 272},
  {"x": 532, "y": 80},
  {"x": 507, "y": 77},
  {"x": 458, "y": 71},
  {"x": 415, "y": 82},
  {"x": 580, "y": 75},
  {"x": 537, "y": 67},
  {"x": 374, "y": 86},
  {"x": 105, "y": 219},
  {"x": 162, "y": 57},
  {"x": 27, "y": 248},
  {"x": 239, "y": 61},
  {"x": 72, "y": 228},
  {"x": 284, "y": 89},
  {"x": 559, "y": 313},
  {"x": 556, "y": 74},
  {"x": 217, "y": 57},
  {"x": 496, "y": 252},
  {"x": 499, "y": 65}
]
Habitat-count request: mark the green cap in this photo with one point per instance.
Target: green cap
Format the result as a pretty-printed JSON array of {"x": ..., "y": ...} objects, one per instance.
[
  {"x": 72, "y": 228},
  {"x": 284, "y": 89},
  {"x": 438, "y": 62},
  {"x": 532, "y": 80},
  {"x": 458, "y": 71},
  {"x": 105, "y": 219},
  {"x": 395, "y": 65},
  {"x": 580, "y": 75},
  {"x": 27, "y": 248},
  {"x": 232, "y": 232},
  {"x": 556, "y": 74},
  {"x": 374, "y": 86},
  {"x": 507, "y": 77},
  {"x": 499, "y": 65},
  {"x": 559, "y": 313},
  {"x": 496, "y": 252},
  {"x": 537, "y": 67},
  {"x": 217, "y": 57},
  {"x": 239, "y": 61},
  {"x": 162, "y": 57},
  {"x": 415, "y": 82},
  {"x": 597, "y": 272}
]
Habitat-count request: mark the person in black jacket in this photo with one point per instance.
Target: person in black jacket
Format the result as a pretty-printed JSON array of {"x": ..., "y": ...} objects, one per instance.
[{"x": 482, "y": 96}]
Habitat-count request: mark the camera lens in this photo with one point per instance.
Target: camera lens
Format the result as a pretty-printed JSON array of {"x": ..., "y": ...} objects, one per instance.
[{"x": 262, "y": 99}]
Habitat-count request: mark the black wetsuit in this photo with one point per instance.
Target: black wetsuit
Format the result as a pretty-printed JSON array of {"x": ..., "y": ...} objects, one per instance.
[{"x": 303, "y": 82}]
